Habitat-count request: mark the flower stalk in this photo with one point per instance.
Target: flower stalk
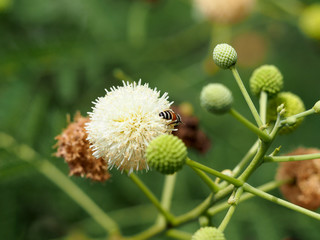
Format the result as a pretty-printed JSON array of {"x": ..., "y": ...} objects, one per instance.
[
  {"x": 234, "y": 181},
  {"x": 263, "y": 106},
  {"x": 256, "y": 161},
  {"x": 262, "y": 135},
  {"x": 246, "y": 96},
  {"x": 167, "y": 192},
  {"x": 233, "y": 203},
  {"x": 299, "y": 115},
  {"x": 168, "y": 216},
  {"x": 173, "y": 233},
  {"x": 211, "y": 184},
  {"x": 291, "y": 158},
  {"x": 249, "y": 155},
  {"x": 280, "y": 201},
  {"x": 50, "y": 171},
  {"x": 265, "y": 187}
]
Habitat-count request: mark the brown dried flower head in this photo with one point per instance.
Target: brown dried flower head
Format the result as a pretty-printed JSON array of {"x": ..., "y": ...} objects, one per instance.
[
  {"x": 74, "y": 147},
  {"x": 189, "y": 131},
  {"x": 305, "y": 188}
]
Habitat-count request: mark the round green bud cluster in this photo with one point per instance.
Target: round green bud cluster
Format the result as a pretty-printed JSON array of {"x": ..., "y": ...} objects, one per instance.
[
  {"x": 316, "y": 107},
  {"x": 224, "y": 56},
  {"x": 166, "y": 153},
  {"x": 310, "y": 21},
  {"x": 208, "y": 233},
  {"x": 216, "y": 98},
  {"x": 266, "y": 78},
  {"x": 292, "y": 105}
]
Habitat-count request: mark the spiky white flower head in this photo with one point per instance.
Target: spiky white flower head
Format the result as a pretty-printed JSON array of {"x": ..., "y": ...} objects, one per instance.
[{"x": 124, "y": 121}]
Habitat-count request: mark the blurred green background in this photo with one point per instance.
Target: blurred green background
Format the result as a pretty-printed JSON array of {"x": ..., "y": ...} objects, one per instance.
[{"x": 57, "y": 56}]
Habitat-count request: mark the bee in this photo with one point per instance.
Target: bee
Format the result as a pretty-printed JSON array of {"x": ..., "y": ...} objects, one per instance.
[{"x": 171, "y": 115}]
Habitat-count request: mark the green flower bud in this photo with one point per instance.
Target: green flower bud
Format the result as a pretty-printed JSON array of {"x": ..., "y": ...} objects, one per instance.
[
  {"x": 266, "y": 78},
  {"x": 292, "y": 105},
  {"x": 208, "y": 233},
  {"x": 216, "y": 98},
  {"x": 166, "y": 153},
  {"x": 316, "y": 107},
  {"x": 280, "y": 109},
  {"x": 224, "y": 56},
  {"x": 310, "y": 21}
]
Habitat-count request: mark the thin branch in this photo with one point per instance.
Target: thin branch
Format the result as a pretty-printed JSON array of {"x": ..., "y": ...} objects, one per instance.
[
  {"x": 169, "y": 217},
  {"x": 292, "y": 158},
  {"x": 246, "y": 96},
  {"x": 280, "y": 201},
  {"x": 261, "y": 134}
]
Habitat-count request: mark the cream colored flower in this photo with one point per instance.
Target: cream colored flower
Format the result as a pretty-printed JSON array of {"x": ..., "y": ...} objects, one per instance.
[
  {"x": 124, "y": 121},
  {"x": 224, "y": 11}
]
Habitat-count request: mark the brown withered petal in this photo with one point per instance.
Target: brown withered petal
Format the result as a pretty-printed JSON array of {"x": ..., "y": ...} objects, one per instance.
[
  {"x": 73, "y": 146},
  {"x": 190, "y": 133},
  {"x": 305, "y": 189}
]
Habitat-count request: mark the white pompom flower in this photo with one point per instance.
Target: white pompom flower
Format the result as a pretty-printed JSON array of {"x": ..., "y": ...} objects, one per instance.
[{"x": 124, "y": 121}]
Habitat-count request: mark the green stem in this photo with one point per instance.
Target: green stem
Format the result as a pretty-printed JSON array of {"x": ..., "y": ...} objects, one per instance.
[
  {"x": 222, "y": 193},
  {"x": 168, "y": 189},
  {"x": 263, "y": 106},
  {"x": 266, "y": 187},
  {"x": 211, "y": 184},
  {"x": 45, "y": 167},
  {"x": 275, "y": 151},
  {"x": 231, "y": 210},
  {"x": 255, "y": 161},
  {"x": 276, "y": 127},
  {"x": 292, "y": 158},
  {"x": 246, "y": 96},
  {"x": 252, "y": 151},
  {"x": 167, "y": 192},
  {"x": 300, "y": 115},
  {"x": 279, "y": 201},
  {"x": 194, "y": 213},
  {"x": 265, "y": 137},
  {"x": 147, "y": 234},
  {"x": 173, "y": 233},
  {"x": 234, "y": 181},
  {"x": 81, "y": 198},
  {"x": 169, "y": 217},
  {"x": 201, "y": 208}
]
